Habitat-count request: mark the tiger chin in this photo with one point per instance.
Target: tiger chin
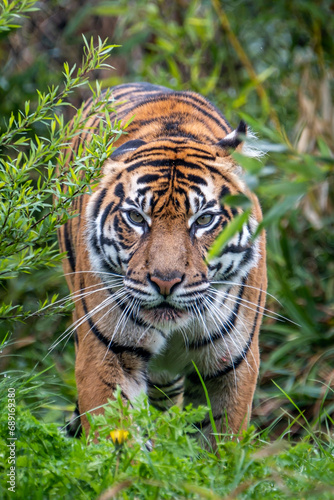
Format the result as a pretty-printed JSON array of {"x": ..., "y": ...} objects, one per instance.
[{"x": 148, "y": 304}]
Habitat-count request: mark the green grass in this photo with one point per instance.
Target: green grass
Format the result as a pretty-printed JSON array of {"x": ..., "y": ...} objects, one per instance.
[{"x": 50, "y": 465}]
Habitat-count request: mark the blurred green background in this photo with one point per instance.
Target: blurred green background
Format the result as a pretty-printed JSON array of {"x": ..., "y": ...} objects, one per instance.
[{"x": 271, "y": 65}]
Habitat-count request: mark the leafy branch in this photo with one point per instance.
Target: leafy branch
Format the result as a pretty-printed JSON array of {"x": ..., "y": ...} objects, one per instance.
[{"x": 41, "y": 174}]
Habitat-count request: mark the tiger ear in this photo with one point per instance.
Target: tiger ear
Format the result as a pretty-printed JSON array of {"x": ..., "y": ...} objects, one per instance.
[
  {"x": 125, "y": 149},
  {"x": 233, "y": 139}
]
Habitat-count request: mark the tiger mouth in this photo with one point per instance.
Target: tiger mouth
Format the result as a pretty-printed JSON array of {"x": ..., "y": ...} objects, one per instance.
[{"x": 164, "y": 312}]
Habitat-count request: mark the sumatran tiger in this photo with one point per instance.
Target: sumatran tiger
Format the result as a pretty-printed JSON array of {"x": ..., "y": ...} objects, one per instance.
[{"x": 149, "y": 304}]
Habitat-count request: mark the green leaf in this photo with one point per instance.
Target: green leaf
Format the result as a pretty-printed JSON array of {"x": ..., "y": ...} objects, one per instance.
[
  {"x": 284, "y": 188},
  {"x": 230, "y": 230},
  {"x": 238, "y": 201}
]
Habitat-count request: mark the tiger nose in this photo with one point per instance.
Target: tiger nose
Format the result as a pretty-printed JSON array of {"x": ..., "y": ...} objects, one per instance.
[{"x": 165, "y": 285}]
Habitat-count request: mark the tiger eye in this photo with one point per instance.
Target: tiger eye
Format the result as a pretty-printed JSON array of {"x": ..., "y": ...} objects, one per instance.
[
  {"x": 204, "y": 220},
  {"x": 135, "y": 217}
]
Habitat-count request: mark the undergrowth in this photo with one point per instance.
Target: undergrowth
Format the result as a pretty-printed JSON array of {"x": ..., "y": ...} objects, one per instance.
[{"x": 138, "y": 452}]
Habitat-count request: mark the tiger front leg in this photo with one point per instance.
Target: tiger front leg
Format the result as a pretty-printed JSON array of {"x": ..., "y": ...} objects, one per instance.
[
  {"x": 231, "y": 396},
  {"x": 99, "y": 369}
]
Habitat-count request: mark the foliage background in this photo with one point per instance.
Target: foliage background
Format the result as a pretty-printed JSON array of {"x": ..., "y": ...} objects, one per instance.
[{"x": 269, "y": 64}]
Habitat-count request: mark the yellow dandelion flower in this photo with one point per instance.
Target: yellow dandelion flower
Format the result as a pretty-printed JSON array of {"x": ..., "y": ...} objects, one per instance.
[{"x": 119, "y": 436}]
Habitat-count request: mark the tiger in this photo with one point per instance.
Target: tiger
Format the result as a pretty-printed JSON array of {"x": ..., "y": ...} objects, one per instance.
[{"x": 152, "y": 313}]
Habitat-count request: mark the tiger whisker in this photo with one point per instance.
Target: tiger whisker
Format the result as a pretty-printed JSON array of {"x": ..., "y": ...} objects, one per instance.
[
  {"x": 215, "y": 309},
  {"x": 246, "y": 286},
  {"x": 105, "y": 303},
  {"x": 74, "y": 296},
  {"x": 119, "y": 322},
  {"x": 185, "y": 337},
  {"x": 96, "y": 310},
  {"x": 101, "y": 319},
  {"x": 193, "y": 322},
  {"x": 124, "y": 317},
  {"x": 234, "y": 339},
  {"x": 228, "y": 295},
  {"x": 237, "y": 331},
  {"x": 227, "y": 348},
  {"x": 144, "y": 332},
  {"x": 237, "y": 316},
  {"x": 84, "y": 318},
  {"x": 201, "y": 320},
  {"x": 240, "y": 300},
  {"x": 121, "y": 298},
  {"x": 215, "y": 297},
  {"x": 80, "y": 295},
  {"x": 96, "y": 273},
  {"x": 70, "y": 330},
  {"x": 129, "y": 313}
]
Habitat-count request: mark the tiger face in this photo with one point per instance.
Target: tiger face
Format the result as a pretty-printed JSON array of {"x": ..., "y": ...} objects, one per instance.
[{"x": 166, "y": 212}]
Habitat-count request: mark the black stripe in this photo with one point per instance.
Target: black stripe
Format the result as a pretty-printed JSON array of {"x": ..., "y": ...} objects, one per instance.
[
  {"x": 179, "y": 146},
  {"x": 88, "y": 103},
  {"x": 69, "y": 247},
  {"x": 197, "y": 179},
  {"x": 144, "y": 179},
  {"x": 217, "y": 267},
  {"x": 113, "y": 346},
  {"x": 73, "y": 427},
  {"x": 113, "y": 387},
  {"x": 132, "y": 280},
  {"x": 143, "y": 191},
  {"x": 195, "y": 283},
  {"x": 138, "y": 290},
  {"x": 193, "y": 377},
  {"x": 236, "y": 249},
  {"x": 166, "y": 396},
  {"x": 109, "y": 209},
  {"x": 224, "y": 192},
  {"x": 247, "y": 256},
  {"x": 108, "y": 384},
  {"x": 125, "y": 90},
  {"x": 119, "y": 191},
  {"x": 226, "y": 327},
  {"x": 98, "y": 203},
  {"x": 156, "y": 163},
  {"x": 165, "y": 385}
]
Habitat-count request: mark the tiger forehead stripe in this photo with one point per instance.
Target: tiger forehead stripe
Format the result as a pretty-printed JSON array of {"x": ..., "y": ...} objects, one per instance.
[
  {"x": 187, "y": 103},
  {"x": 191, "y": 103},
  {"x": 166, "y": 174},
  {"x": 163, "y": 162},
  {"x": 163, "y": 150}
]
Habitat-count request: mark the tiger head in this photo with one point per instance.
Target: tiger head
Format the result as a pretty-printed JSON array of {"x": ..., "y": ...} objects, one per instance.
[{"x": 153, "y": 218}]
